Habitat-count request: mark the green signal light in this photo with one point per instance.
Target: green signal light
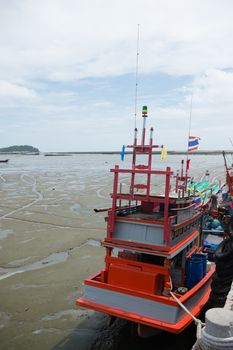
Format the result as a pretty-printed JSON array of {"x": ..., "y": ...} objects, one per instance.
[{"x": 144, "y": 110}]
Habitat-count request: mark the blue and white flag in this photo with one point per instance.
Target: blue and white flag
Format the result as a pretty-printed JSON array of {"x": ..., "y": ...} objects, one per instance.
[
  {"x": 193, "y": 143},
  {"x": 123, "y": 153}
]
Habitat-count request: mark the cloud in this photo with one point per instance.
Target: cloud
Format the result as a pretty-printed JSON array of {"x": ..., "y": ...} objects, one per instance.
[
  {"x": 62, "y": 120},
  {"x": 69, "y": 40},
  {"x": 62, "y": 66},
  {"x": 211, "y": 114},
  {"x": 215, "y": 87},
  {"x": 15, "y": 91}
]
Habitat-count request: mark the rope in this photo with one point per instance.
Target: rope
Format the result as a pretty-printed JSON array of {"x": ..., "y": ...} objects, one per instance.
[{"x": 199, "y": 323}]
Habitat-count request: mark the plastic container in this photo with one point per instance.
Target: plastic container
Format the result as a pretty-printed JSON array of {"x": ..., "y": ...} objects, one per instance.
[
  {"x": 210, "y": 253},
  {"x": 203, "y": 258},
  {"x": 195, "y": 269}
]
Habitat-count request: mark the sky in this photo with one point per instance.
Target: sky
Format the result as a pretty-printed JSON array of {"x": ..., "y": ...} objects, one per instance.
[{"x": 67, "y": 72}]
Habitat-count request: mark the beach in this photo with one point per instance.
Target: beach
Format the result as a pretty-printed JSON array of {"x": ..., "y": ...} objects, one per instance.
[{"x": 50, "y": 241}]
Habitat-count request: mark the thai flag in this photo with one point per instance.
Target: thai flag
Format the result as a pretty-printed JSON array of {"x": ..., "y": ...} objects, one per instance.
[{"x": 193, "y": 143}]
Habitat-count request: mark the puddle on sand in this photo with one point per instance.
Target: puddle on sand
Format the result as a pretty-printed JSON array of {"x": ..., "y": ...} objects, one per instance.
[
  {"x": 24, "y": 286},
  {"x": 70, "y": 313},
  {"x": 4, "y": 318},
  {"x": 45, "y": 330},
  {"x": 5, "y": 233},
  {"x": 51, "y": 260},
  {"x": 19, "y": 261},
  {"x": 75, "y": 208},
  {"x": 27, "y": 213},
  {"x": 27, "y": 240},
  {"x": 46, "y": 207},
  {"x": 93, "y": 243}
]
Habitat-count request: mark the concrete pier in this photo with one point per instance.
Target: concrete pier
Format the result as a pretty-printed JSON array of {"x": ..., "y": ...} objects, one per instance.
[
  {"x": 218, "y": 331},
  {"x": 229, "y": 301}
]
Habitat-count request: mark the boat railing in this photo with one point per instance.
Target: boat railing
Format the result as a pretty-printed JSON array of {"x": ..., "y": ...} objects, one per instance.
[
  {"x": 180, "y": 230},
  {"x": 168, "y": 232},
  {"x": 162, "y": 234},
  {"x": 132, "y": 196}
]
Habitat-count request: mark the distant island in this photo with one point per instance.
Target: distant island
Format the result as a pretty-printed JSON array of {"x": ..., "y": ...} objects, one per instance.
[{"x": 20, "y": 149}]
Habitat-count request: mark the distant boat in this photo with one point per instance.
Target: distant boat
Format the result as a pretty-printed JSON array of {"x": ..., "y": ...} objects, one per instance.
[
  {"x": 30, "y": 153},
  {"x": 56, "y": 154},
  {"x": 4, "y": 160}
]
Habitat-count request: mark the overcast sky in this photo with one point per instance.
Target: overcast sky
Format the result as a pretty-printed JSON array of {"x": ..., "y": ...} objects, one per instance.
[{"x": 67, "y": 72}]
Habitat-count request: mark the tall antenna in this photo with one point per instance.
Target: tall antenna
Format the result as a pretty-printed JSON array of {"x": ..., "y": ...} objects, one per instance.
[
  {"x": 231, "y": 142},
  {"x": 189, "y": 131},
  {"x": 190, "y": 115},
  {"x": 232, "y": 147},
  {"x": 136, "y": 81},
  {"x": 190, "y": 121}
]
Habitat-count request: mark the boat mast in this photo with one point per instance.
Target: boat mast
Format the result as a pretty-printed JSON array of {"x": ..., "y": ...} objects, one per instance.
[
  {"x": 136, "y": 81},
  {"x": 144, "y": 116}
]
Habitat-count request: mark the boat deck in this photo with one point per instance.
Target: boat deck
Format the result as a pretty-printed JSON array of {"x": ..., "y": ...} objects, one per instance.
[{"x": 159, "y": 217}]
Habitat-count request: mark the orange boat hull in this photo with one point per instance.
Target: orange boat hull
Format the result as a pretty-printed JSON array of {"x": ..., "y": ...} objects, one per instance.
[{"x": 150, "y": 310}]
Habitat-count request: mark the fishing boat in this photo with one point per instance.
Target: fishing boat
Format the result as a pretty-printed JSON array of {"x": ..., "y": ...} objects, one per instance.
[
  {"x": 229, "y": 175},
  {"x": 204, "y": 189},
  {"x": 217, "y": 218},
  {"x": 4, "y": 160},
  {"x": 154, "y": 265}
]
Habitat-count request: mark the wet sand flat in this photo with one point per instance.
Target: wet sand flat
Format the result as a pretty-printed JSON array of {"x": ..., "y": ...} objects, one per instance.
[{"x": 49, "y": 242}]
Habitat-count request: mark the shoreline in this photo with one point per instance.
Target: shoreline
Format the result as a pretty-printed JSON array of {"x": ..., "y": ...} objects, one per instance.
[{"x": 196, "y": 153}]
